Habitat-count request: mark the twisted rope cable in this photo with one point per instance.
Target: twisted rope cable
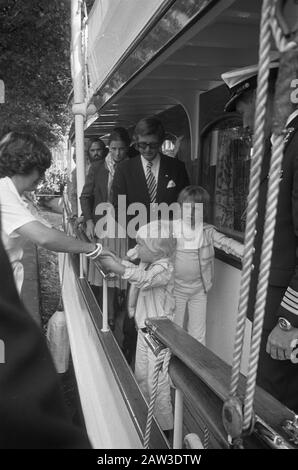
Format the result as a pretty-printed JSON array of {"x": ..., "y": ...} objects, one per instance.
[
  {"x": 269, "y": 228},
  {"x": 255, "y": 172},
  {"x": 166, "y": 361},
  {"x": 206, "y": 438},
  {"x": 162, "y": 360}
]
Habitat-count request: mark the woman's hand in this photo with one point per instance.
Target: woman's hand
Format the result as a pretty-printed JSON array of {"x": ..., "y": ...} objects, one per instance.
[
  {"x": 77, "y": 221},
  {"x": 109, "y": 254}
]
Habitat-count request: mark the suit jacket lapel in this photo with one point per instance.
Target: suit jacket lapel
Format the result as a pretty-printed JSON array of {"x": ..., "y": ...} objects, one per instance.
[{"x": 162, "y": 179}]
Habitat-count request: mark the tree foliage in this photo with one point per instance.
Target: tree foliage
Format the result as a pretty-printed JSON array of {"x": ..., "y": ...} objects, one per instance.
[
  {"x": 89, "y": 4},
  {"x": 35, "y": 66}
]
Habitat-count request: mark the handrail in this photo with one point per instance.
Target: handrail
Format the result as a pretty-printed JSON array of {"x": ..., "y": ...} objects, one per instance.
[{"x": 201, "y": 363}]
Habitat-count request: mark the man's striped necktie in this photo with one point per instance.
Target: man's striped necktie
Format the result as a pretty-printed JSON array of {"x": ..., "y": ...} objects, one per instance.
[{"x": 151, "y": 182}]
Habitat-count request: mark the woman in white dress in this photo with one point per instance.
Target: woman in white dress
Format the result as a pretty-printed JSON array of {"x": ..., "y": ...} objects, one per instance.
[{"x": 23, "y": 162}]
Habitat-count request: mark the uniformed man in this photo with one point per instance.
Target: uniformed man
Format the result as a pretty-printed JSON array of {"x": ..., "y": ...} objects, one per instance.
[{"x": 278, "y": 370}]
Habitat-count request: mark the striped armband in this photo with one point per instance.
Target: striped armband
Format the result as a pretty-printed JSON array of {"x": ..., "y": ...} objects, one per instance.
[{"x": 290, "y": 301}]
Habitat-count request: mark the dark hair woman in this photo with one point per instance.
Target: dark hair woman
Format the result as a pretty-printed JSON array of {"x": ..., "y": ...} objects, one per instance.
[{"x": 23, "y": 162}]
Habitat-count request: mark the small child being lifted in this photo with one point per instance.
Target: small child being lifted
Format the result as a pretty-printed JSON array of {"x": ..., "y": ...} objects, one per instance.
[{"x": 151, "y": 295}]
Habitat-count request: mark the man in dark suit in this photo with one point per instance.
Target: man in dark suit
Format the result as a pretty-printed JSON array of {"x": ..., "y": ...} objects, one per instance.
[
  {"x": 150, "y": 179},
  {"x": 277, "y": 372},
  {"x": 32, "y": 412}
]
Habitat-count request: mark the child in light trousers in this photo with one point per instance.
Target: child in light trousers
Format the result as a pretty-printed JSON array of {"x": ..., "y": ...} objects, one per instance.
[{"x": 194, "y": 260}]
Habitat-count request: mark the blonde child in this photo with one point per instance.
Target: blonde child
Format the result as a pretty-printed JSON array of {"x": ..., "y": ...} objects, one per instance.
[
  {"x": 151, "y": 295},
  {"x": 194, "y": 259}
]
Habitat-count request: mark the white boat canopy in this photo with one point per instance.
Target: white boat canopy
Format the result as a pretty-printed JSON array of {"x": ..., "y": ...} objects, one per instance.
[
  {"x": 145, "y": 57},
  {"x": 113, "y": 28}
]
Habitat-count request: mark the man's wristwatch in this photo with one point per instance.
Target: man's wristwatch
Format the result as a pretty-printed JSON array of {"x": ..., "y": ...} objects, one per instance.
[{"x": 284, "y": 324}]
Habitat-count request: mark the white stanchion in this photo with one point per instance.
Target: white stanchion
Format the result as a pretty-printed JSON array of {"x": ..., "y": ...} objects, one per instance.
[
  {"x": 178, "y": 420},
  {"x": 105, "y": 324}
]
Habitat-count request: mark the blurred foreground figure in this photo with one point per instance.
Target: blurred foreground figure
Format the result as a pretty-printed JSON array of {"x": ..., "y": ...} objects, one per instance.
[
  {"x": 23, "y": 162},
  {"x": 32, "y": 411}
]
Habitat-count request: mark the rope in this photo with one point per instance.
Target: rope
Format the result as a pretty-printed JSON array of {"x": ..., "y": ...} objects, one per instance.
[
  {"x": 282, "y": 43},
  {"x": 162, "y": 361},
  {"x": 255, "y": 172}
]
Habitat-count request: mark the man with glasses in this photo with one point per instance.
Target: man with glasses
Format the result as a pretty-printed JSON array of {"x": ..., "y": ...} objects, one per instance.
[{"x": 150, "y": 178}]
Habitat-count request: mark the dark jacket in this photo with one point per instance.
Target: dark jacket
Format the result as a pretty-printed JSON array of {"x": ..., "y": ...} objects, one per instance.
[
  {"x": 284, "y": 265},
  {"x": 32, "y": 412},
  {"x": 95, "y": 190},
  {"x": 130, "y": 181}
]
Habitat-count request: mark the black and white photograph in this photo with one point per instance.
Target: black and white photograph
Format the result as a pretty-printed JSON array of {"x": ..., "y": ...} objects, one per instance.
[{"x": 149, "y": 228}]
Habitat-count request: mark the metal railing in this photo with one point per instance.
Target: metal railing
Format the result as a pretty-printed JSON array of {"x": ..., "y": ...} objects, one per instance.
[{"x": 80, "y": 233}]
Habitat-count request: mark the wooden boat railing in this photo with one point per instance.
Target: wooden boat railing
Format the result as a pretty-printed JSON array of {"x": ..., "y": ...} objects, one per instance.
[{"x": 204, "y": 380}]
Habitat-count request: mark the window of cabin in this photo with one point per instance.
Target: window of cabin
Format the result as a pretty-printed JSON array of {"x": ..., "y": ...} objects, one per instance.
[{"x": 226, "y": 150}]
